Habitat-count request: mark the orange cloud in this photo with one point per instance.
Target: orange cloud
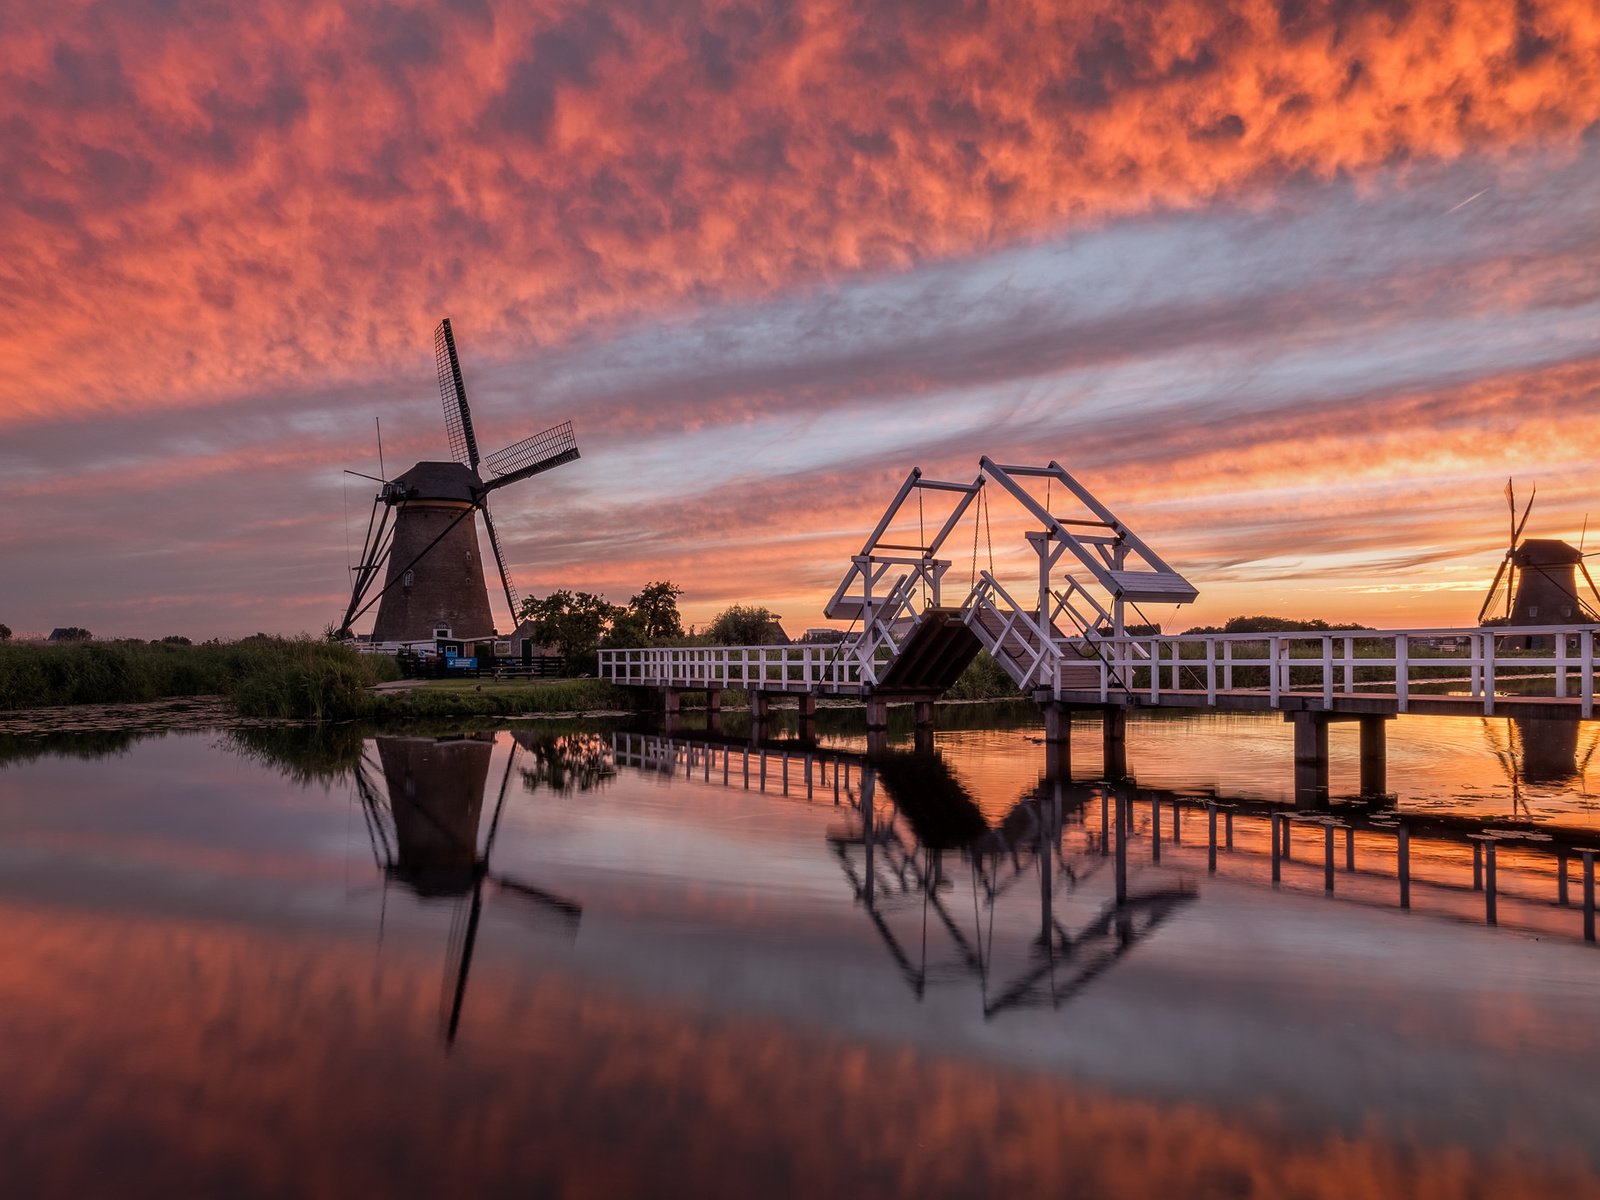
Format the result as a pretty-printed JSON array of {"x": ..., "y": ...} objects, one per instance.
[{"x": 206, "y": 203}]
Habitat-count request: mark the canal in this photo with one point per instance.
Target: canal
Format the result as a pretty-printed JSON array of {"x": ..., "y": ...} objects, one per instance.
[{"x": 591, "y": 959}]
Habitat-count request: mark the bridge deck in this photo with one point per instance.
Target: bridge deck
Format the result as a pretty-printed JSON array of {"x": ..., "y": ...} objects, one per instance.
[{"x": 1364, "y": 704}]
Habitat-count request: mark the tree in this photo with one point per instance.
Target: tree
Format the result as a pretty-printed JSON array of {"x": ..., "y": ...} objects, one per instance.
[
  {"x": 573, "y": 622},
  {"x": 1272, "y": 625},
  {"x": 71, "y": 633},
  {"x": 656, "y": 610},
  {"x": 5, "y": 633},
  {"x": 744, "y": 625}
]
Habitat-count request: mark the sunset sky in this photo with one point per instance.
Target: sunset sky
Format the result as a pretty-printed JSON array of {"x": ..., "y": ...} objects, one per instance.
[{"x": 1293, "y": 286}]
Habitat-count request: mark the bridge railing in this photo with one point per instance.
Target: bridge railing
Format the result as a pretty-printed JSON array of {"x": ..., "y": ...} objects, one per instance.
[
  {"x": 779, "y": 668},
  {"x": 1556, "y": 662},
  {"x": 1026, "y": 649}
]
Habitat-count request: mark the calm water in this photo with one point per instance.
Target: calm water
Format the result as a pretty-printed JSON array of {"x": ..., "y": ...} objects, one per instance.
[{"x": 586, "y": 960}]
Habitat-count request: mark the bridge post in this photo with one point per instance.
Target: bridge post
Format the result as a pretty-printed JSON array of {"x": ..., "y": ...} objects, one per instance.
[
  {"x": 1310, "y": 758},
  {"x": 669, "y": 700},
  {"x": 877, "y": 713},
  {"x": 760, "y": 707},
  {"x": 713, "y": 700},
  {"x": 923, "y": 710},
  {"x": 807, "y": 703},
  {"x": 1374, "y": 755},
  {"x": 1114, "y": 733}
]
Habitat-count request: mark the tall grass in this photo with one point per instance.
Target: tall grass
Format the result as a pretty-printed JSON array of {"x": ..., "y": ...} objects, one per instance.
[
  {"x": 288, "y": 678},
  {"x": 491, "y": 698}
]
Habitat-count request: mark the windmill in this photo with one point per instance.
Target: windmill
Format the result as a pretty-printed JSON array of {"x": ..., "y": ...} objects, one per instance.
[
  {"x": 1539, "y": 578},
  {"x": 421, "y": 535}
]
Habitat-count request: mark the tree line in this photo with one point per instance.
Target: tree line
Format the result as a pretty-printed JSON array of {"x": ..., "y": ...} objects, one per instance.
[{"x": 580, "y": 624}]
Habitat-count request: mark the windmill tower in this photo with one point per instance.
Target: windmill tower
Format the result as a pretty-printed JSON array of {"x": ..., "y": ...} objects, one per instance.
[
  {"x": 422, "y": 535},
  {"x": 1537, "y": 582}
]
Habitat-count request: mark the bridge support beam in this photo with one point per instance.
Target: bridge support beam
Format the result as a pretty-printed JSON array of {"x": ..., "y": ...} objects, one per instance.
[
  {"x": 877, "y": 713},
  {"x": 1374, "y": 755},
  {"x": 807, "y": 703},
  {"x": 1310, "y": 758},
  {"x": 713, "y": 700},
  {"x": 1114, "y": 734},
  {"x": 669, "y": 700},
  {"x": 923, "y": 709},
  {"x": 1057, "y": 742},
  {"x": 760, "y": 707}
]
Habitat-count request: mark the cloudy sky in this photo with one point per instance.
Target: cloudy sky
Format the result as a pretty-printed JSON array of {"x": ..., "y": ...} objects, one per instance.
[{"x": 1294, "y": 286}]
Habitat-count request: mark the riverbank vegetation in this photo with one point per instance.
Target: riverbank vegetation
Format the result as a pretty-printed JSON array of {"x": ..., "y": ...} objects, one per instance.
[
  {"x": 283, "y": 678},
  {"x": 499, "y": 698}
]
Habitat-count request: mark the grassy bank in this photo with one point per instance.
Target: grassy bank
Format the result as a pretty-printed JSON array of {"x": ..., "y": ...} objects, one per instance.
[
  {"x": 288, "y": 678},
  {"x": 500, "y": 698}
]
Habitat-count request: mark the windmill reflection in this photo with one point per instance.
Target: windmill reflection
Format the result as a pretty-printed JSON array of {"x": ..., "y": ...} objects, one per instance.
[
  {"x": 919, "y": 831},
  {"x": 1540, "y": 750},
  {"x": 423, "y": 801}
]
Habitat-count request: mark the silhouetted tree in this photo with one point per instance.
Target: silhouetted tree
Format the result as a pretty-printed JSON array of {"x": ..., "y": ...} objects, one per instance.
[
  {"x": 745, "y": 625},
  {"x": 573, "y": 622}
]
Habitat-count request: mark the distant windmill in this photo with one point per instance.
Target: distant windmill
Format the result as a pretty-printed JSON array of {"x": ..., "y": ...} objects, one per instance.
[
  {"x": 421, "y": 534},
  {"x": 1537, "y": 581}
]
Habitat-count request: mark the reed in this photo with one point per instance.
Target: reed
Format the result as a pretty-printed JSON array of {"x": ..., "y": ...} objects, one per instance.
[{"x": 287, "y": 678}]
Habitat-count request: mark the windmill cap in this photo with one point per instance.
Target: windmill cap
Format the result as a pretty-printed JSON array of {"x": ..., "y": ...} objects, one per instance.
[
  {"x": 440, "y": 481},
  {"x": 1546, "y": 552}
]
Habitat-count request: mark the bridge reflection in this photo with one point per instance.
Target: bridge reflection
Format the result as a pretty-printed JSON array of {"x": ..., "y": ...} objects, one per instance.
[
  {"x": 910, "y": 813},
  {"x": 938, "y": 883}
]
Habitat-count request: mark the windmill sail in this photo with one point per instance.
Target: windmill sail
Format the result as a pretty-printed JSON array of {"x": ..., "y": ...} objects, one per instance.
[
  {"x": 453, "y": 394},
  {"x": 533, "y": 455},
  {"x": 512, "y": 602}
]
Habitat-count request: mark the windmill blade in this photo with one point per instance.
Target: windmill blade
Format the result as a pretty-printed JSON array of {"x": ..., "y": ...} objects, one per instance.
[
  {"x": 1511, "y": 503},
  {"x": 453, "y": 394},
  {"x": 469, "y": 941},
  {"x": 1494, "y": 590},
  {"x": 1516, "y": 533},
  {"x": 562, "y": 913},
  {"x": 469, "y": 938},
  {"x": 512, "y": 603},
  {"x": 531, "y": 456}
]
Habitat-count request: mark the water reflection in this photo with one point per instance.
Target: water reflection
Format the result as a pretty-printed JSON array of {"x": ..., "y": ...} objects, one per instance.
[
  {"x": 937, "y": 882},
  {"x": 727, "y": 1000},
  {"x": 423, "y": 806}
]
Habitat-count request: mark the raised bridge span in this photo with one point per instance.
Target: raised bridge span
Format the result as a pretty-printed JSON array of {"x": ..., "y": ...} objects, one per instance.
[{"x": 1066, "y": 642}]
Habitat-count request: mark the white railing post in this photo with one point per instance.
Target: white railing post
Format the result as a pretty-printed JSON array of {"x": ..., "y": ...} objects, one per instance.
[
  {"x": 1273, "y": 665},
  {"x": 1211, "y": 671},
  {"x": 1327, "y": 672},
  {"x": 1489, "y": 664},
  {"x": 1155, "y": 670},
  {"x": 1586, "y": 662},
  {"x": 1561, "y": 665},
  {"x": 1227, "y": 666},
  {"x": 1349, "y": 666},
  {"x": 1402, "y": 671}
]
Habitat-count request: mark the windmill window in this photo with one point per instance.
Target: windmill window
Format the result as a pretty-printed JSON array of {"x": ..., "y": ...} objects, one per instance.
[
  {"x": 1533, "y": 611},
  {"x": 408, "y": 579}
]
